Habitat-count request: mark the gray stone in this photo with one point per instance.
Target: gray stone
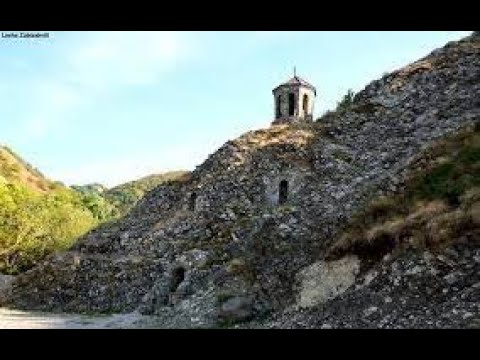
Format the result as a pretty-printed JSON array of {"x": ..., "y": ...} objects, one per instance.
[
  {"x": 323, "y": 281},
  {"x": 5, "y": 284},
  {"x": 238, "y": 308}
]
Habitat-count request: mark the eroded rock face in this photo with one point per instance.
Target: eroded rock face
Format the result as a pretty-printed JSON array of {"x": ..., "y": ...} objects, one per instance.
[
  {"x": 5, "y": 284},
  {"x": 229, "y": 209},
  {"x": 415, "y": 290}
]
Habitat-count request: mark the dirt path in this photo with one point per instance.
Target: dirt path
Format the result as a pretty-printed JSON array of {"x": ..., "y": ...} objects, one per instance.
[{"x": 16, "y": 319}]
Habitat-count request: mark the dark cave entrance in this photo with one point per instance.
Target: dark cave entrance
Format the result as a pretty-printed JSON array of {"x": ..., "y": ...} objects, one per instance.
[
  {"x": 178, "y": 275},
  {"x": 283, "y": 192}
]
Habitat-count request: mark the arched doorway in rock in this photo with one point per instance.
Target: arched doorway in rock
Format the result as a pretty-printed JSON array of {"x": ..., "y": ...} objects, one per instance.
[
  {"x": 178, "y": 275},
  {"x": 283, "y": 192},
  {"x": 193, "y": 200}
]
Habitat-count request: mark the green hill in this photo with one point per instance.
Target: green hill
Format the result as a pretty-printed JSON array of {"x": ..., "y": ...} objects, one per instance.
[
  {"x": 39, "y": 216},
  {"x": 14, "y": 169},
  {"x": 125, "y": 196}
]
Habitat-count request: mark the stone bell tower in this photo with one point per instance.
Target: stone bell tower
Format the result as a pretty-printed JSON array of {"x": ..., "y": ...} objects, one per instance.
[{"x": 294, "y": 101}]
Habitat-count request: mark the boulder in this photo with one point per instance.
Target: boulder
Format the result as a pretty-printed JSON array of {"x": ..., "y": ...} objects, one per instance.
[
  {"x": 325, "y": 280},
  {"x": 5, "y": 284}
]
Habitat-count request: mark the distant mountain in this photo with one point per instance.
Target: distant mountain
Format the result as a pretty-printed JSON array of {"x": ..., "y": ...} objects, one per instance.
[
  {"x": 14, "y": 169},
  {"x": 39, "y": 216},
  {"x": 90, "y": 188},
  {"x": 123, "y": 197},
  {"x": 126, "y": 195}
]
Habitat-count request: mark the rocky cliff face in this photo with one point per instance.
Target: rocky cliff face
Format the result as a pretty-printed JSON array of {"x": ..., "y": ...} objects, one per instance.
[
  {"x": 226, "y": 243},
  {"x": 415, "y": 290}
]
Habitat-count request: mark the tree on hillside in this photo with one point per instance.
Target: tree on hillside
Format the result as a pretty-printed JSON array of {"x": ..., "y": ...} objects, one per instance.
[
  {"x": 33, "y": 225},
  {"x": 346, "y": 101}
]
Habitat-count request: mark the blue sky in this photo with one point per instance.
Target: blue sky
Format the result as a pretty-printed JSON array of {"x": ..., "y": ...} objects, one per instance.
[{"x": 111, "y": 107}]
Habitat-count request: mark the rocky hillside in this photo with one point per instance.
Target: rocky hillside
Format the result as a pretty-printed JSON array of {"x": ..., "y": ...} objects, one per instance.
[
  {"x": 410, "y": 259},
  {"x": 231, "y": 242}
]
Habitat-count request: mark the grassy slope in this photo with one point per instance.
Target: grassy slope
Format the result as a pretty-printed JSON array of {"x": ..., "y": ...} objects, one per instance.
[
  {"x": 15, "y": 169},
  {"x": 439, "y": 205}
]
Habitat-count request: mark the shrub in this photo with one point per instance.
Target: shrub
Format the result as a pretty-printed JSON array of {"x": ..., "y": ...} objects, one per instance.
[
  {"x": 346, "y": 102},
  {"x": 34, "y": 225}
]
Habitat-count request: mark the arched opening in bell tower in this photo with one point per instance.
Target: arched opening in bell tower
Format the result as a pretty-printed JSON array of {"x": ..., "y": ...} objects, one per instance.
[
  {"x": 291, "y": 104},
  {"x": 278, "y": 108},
  {"x": 305, "y": 104}
]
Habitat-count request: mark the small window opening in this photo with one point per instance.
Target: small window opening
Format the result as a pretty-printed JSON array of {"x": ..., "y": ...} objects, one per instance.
[
  {"x": 193, "y": 200},
  {"x": 283, "y": 192}
]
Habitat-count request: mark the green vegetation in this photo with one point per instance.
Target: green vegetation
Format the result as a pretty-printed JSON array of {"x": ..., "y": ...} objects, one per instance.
[
  {"x": 15, "y": 169},
  {"x": 453, "y": 177},
  {"x": 39, "y": 217},
  {"x": 343, "y": 105},
  {"x": 121, "y": 199},
  {"x": 125, "y": 196},
  {"x": 346, "y": 102},
  {"x": 33, "y": 224},
  {"x": 440, "y": 204}
]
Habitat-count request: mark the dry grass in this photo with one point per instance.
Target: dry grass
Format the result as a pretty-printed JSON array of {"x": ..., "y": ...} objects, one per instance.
[
  {"x": 14, "y": 169},
  {"x": 431, "y": 225},
  {"x": 237, "y": 266},
  {"x": 297, "y": 135},
  {"x": 443, "y": 228},
  {"x": 441, "y": 203},
  {"x": 474, "y": 214},
  {"x": 470, "y": 197},
  {"x": 284, "y": 134}
]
